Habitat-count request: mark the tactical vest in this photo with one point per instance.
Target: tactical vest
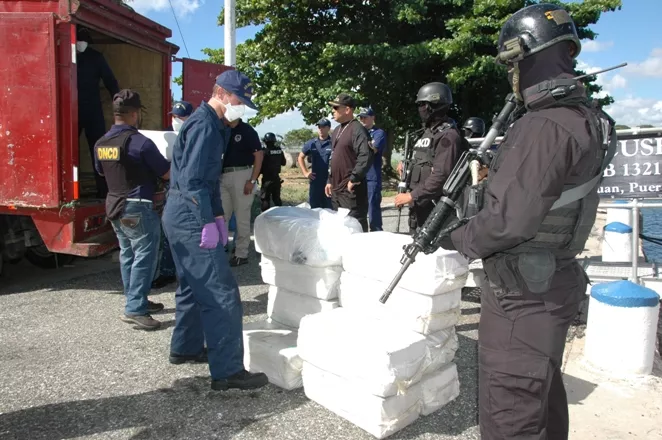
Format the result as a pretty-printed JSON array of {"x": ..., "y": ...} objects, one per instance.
[
  {"x": 424, "y": 152},
  {"x": 563, "y": 232},
  {"x": 273, "y": 159},
  {"x": 121, "y": 173}
]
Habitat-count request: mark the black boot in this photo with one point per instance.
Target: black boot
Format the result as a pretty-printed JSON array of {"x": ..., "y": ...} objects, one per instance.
[{"x": 243, "y": 380}]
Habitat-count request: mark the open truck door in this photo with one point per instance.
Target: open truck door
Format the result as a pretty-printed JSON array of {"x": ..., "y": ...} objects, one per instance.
[
  {"x": 198, "y": 79},
  {"x": 29, "y": 153}
]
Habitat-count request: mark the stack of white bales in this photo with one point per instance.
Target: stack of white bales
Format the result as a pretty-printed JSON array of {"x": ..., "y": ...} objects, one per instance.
[
  {"x": 381, "y": 366},
  {"x": 301, "y": 262}
]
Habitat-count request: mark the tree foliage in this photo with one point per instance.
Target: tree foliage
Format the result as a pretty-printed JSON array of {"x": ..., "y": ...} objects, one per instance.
[
  {"x": 297, "y": 137},
  {"x": 382, "y": 51}
]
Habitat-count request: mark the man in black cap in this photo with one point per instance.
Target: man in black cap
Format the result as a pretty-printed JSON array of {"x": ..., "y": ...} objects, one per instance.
[
  {"x": 319, "y": 151},
  {"x": 351, "y": 159},
  {"x": 131, "y": 164},
  {"x": 180, "y": 113},
  {"x": 208, "y": 304},
  {"x": 539, "y": 208},
  {"x": 92, "y": 68},
  {"x": 274, "y": 158}
]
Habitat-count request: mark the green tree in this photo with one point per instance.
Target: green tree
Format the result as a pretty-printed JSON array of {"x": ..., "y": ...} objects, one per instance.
[
  {"x": 297, "y": 137},
  {"x": 622, "y": 127},
  {"x": 382, "y": 51}
]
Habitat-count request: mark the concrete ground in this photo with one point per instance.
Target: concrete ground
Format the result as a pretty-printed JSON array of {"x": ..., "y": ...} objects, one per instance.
[{"x": 70, "y": 369}]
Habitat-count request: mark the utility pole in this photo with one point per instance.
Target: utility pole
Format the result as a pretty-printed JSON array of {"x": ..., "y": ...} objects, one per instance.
[{"x": 230, "y": 46}]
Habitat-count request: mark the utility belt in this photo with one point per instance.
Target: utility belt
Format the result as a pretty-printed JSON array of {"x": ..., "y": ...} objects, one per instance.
[{"x": 533, "y": 271}]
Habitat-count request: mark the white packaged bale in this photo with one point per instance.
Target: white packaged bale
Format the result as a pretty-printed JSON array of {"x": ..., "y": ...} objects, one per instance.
[
  {"x": 314, "y": 237},
  {"x": 288, "y": 308},
  {"x": 377, "y": 256},
  {"x": 271, "y": 348},
  {"x": 320, "y": 282},
  {"x": 439, "y": 388},
  {"x": 379, "y": 416},
  {"x": 442, "y": 347},
  {"x": 421, "y": 313},
  {"x": 164, "y": 141},
  {"x": 385, "y": 359}
]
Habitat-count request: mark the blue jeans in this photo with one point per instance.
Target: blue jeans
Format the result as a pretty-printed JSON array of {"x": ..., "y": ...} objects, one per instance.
[
  {"x": 138, "y": 231},
  {"x": 375, "y": 205}
]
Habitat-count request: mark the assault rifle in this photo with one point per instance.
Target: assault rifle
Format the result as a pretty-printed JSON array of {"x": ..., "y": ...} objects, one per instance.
[
  {"x": 405, "y": 175},
  {"x": 428, "y": 238}
]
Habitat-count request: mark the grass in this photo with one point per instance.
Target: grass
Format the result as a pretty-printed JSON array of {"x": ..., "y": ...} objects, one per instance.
[{"x": 295, "y": 187}]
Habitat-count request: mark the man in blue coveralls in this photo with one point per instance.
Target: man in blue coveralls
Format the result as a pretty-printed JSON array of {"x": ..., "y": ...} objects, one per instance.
[
  {"x": 131, "y": 164},
  {"x": 374, "y": 175},
  {"x": 319, "y": 151},
  {"x": 208, "y": 305}
]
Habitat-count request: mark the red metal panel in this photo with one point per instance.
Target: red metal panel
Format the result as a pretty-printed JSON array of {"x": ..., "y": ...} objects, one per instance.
[
  {"x": 29, "y": 153},
  {"x": 198, "y": 79}
]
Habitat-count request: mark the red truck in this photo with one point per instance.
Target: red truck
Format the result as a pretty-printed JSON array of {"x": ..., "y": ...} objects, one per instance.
[{"x": 49, "y": 212}]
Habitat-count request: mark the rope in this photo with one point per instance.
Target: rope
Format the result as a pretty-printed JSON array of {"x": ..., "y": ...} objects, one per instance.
[{"x": 654, "y": 240}]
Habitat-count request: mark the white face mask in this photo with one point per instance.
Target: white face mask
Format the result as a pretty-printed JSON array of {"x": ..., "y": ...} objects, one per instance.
[
  {"x": 177, "y": 124},
  {"x": 81, "y": 46},
  {"x": 232, "y": 112}
]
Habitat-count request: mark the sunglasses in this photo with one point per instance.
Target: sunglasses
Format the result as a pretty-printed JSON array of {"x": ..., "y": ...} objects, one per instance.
[{"x": 337, "y": 107}]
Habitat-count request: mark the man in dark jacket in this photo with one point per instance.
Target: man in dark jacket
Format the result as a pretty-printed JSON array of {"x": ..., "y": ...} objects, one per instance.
[
  {"x": 274, "y": 158},
  {"x": 435, "y": 153},
  {"x": 92, "y": 68},
  {"x": 531, "y": 227},
  {"x": 351, "y": 158}
]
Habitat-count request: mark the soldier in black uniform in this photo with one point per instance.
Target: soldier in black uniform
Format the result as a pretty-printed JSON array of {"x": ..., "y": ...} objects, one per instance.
[
  {"x": 435, "y": 153},
  {"x": 474, "y": 128},
  {"x": 274, "y": 158},
  {"x": 530, "y": 229}
]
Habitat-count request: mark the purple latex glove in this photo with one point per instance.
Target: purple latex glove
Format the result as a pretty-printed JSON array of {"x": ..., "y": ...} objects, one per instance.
[
  {"x": 209, "y": 236},
  {"x": 222, "y": 230}
]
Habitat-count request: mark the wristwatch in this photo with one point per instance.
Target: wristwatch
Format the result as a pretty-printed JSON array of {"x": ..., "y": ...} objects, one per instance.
[{"x": 254, "y": 181}]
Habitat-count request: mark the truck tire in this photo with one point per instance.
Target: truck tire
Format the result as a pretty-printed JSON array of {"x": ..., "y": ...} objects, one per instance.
[{"x": 40, "y": 256}]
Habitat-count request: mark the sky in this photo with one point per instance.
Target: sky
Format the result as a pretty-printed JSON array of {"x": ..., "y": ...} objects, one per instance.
[{"x": 632, "y": 35}]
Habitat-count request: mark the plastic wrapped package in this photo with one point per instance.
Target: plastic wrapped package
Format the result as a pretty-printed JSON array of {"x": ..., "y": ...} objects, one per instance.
[
  {"x": 320, "y": 282},
  {"x": 385, "y": 359},
  {"x": 439, "y": 388},
  {"x": 379, "y": 416},
  {"x": 314, "y": 237},
  {"x": 421, "y": 313},
  {"x": 271, "y": 348},
  {"x": 377, "y": 256},
  {"x": 288, "y": 308},
  {"x": 442, "y": 347}
]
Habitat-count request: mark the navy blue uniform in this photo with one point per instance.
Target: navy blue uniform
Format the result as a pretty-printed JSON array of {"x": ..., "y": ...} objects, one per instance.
[
  {"x": 131, "y": 163},
  {"x": 319, "y": 152},
  {"x": 243, "y": 143},
  {"x": 208, "y": 304},
  {"x": 91, "y": 69},
  {"x": 374, "y": 180}
]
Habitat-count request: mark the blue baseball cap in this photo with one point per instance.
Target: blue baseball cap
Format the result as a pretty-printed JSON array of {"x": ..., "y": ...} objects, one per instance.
[
  {"x": 237, "y": 83},
  {"x": 323, "y": 123},
  {"x": 182, "y": 109},
  {"x": 366, "y": 111}
]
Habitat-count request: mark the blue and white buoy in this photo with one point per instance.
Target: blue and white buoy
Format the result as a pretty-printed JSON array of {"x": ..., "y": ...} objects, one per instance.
[{"x": 621, "y": 328}]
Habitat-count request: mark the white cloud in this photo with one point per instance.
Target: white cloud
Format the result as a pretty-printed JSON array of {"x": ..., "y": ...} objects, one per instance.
[
  {"x": 596, "y": 46},
  {"x": 633, "y": 111},
  {"x": 182, "y": 7},
  {"x": 651, "y": 66}
]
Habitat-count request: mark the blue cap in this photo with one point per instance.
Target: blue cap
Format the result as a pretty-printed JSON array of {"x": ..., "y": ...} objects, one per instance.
[
  {"x": 237, "y": 83},
  {"x": 323, "y": 123},
  {"x": 366, "y": 111},
  {"x": 182, "y": 109}
]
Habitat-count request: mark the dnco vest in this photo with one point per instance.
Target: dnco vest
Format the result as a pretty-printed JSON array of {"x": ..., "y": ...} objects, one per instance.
[
  {"x": 122, "y": 174},
  {"x": 424, "y": 152},
  {"x": 273, "y": 160},
  {"x": 564, "y": 231}
]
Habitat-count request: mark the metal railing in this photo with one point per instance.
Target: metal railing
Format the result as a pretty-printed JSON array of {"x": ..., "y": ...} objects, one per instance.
[{"x": 634, "y": 205}]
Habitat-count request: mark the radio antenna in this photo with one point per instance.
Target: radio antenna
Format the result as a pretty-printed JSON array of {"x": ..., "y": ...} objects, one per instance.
[{"x": 601, "y": 71}]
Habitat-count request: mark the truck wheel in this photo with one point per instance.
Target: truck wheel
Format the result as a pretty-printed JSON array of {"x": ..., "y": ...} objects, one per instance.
[{"x": 40, "y": 256}]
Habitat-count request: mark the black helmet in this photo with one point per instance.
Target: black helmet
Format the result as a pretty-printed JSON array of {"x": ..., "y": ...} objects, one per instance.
[
  {"x": 269, "y": 137},
  {"x": 533, "y": 29},
  {"x": 436, "y": 93},
  {"x": 475, "y": 126}
]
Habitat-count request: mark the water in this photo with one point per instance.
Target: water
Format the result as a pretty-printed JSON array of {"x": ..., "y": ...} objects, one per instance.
[{"x": 653, "y": 228}]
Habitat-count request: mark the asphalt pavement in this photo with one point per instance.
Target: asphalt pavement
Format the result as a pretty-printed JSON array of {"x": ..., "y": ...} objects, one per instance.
[{"x": 69, "y": 368}]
